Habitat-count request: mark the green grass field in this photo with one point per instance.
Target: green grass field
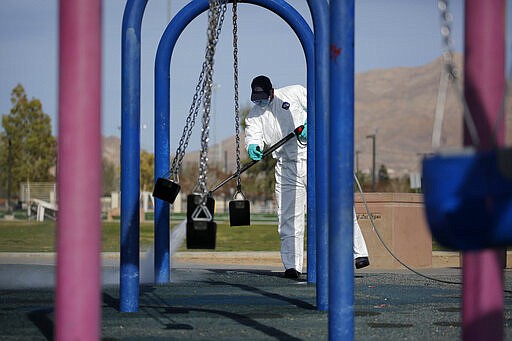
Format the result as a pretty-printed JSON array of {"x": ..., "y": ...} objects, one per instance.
[{"x": 31, "y": 236}]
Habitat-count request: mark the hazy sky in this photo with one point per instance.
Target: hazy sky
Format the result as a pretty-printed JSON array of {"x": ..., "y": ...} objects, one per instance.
[{"x": 389, "y": 33}]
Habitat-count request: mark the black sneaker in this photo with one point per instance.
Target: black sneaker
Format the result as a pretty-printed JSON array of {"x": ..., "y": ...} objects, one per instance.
[
  {"x": 291, "y": 273},
  {"x": 361, "y": 262}
]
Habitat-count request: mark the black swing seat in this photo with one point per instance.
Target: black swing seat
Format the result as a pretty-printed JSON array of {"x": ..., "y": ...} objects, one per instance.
[
  {"x": 201, "y": 233},
  {"x": 468, "y": 199},
  {"x": 239, "y": 210},
  {"x": 166, "y": 190}
]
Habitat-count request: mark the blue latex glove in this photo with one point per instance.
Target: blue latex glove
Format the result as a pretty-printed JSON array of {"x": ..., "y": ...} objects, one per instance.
[
  {"x": 304, "y": 133},
  {"x": 255, "y": 152}
]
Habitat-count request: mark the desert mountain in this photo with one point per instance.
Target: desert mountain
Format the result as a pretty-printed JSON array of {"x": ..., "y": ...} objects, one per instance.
[{"x": 398, "y": 105}]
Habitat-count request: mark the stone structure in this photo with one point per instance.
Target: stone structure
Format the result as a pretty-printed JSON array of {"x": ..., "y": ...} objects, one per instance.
[{"x": 401, "y": 222}]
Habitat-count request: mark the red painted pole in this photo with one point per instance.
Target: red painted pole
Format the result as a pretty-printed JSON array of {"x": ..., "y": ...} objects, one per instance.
[
  {"x": 78, "y": 291},
  {"x": 484, "y": 85}
]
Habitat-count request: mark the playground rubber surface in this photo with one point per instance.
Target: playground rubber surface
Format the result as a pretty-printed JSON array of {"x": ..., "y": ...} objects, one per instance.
[{"x": 206, "y": 301}]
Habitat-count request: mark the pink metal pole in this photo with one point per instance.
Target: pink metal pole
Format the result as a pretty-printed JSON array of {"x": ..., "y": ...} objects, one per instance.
[
  {"x": 78, "y": 313},
  {"x": 484, "y": 85}
]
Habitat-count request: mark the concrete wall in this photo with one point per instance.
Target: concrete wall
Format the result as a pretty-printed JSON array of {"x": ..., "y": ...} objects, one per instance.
[{"x": 401, "y": 222}]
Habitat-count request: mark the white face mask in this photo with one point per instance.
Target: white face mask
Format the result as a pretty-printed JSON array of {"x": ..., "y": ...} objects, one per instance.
[{"x": 262, "y": 103}]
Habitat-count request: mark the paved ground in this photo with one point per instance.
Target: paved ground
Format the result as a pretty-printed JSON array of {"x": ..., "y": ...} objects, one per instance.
[{"x": 248, "y": 301}]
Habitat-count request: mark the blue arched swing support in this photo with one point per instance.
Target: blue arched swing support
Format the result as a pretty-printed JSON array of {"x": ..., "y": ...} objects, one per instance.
[
  {"x": 162, "y": 105},
  {"x": 320, "y": 87},
  {"x": 130, "y": 134},
  {"x": 332, "y": 126}
]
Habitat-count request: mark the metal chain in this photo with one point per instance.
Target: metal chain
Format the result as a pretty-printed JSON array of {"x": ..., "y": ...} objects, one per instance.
[
  {"x": 194, "y": 108},
  {"x": 215, "y": 19},
  {"x": 451, "y": 68},
  {"x": 439, "y": 112},
  {"x": 452, "y": 73},
  {"x": 189, "y": 124},
  {"x": 237, "y": 106}
]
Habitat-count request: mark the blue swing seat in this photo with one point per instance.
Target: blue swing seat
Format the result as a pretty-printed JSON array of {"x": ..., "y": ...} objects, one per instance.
[{"x": 468, "y": 199}]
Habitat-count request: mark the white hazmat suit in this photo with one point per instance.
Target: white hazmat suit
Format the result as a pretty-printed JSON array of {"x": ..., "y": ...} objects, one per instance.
[{"x": 264, "y": 127}]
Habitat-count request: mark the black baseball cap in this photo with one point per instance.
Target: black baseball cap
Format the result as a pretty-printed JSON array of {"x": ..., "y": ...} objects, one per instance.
[{"x": 261, "y": 87}]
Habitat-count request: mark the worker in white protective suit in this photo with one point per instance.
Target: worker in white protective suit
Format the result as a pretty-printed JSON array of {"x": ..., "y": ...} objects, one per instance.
[{"x": 275, "y": 114}]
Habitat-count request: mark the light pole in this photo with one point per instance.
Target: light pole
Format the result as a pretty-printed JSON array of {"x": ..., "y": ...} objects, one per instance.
[
  {"x": 357, "y": 160},
  {"x": 372, "y": 136}
]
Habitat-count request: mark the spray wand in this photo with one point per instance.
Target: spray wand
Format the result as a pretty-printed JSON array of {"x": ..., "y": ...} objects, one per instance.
[{"x": 295, "y": 133}]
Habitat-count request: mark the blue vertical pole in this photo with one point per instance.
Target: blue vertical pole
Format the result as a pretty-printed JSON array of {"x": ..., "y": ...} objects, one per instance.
[
  {"x": 130, "y": 156},
  {"x": 311, "y": 188},
  {"x": 341, "y": 168},
  {"x": 320, "y": 14},
  {"x": 311, "y": 192}
]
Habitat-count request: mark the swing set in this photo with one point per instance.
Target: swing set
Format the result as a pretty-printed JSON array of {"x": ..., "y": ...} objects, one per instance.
[
  {"x": 77, "y": 315},
  {"x": 458, "y": 214},
  {"x": 201, "y": 228},
  {"x": 167, "y": 185},
  {"x": 448, "y": 197}
]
